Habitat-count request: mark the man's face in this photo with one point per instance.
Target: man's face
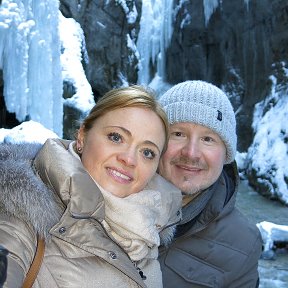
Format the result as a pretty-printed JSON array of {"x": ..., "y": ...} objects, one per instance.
[{"x": 194, "y": 159}]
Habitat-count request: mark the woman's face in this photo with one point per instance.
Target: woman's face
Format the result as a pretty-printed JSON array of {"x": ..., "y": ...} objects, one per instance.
[{"x": 122, "y": 149}]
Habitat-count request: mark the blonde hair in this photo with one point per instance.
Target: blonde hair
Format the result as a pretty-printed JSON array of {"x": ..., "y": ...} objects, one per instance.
[{"x": 132, "y": 96}]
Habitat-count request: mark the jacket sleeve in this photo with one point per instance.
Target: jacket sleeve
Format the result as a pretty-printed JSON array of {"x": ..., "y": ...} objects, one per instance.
[
  {"x": 19, "y": 241},
  {"x": 248, "y": 276}
]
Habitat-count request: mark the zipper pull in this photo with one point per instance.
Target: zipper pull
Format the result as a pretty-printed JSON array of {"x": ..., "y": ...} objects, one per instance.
[{"x": 141, "y": 273}]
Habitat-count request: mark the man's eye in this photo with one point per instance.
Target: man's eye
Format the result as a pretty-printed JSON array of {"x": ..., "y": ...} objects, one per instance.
[
  {"x": 149, "y": 154},
  {"x": 115, "y": 137},
  {"x": 208, "y": 139},
  {"x": 177, "y": 134}
]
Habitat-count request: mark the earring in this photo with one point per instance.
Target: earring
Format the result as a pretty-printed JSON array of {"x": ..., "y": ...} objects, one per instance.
[{"x": 79, "y": 150}]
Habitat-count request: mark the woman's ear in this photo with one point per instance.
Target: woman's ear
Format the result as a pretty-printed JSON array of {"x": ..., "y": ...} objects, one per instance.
[{"x": 80, "y": 139}]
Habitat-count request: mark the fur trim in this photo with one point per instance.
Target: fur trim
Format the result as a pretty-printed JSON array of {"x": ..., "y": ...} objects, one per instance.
[
  {"x": 167, "y": 235},
  {"x": 22, "y": 193}
]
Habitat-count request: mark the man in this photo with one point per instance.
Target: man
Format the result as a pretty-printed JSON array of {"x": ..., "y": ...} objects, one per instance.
[{"x": 214, "y": 245}]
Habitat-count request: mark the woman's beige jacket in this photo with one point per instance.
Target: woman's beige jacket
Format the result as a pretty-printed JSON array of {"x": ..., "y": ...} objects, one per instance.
[{"x": 58, "y": 200}]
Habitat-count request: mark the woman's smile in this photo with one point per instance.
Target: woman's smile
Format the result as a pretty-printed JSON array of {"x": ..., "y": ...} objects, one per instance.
[{"x": 121, "y": 177}]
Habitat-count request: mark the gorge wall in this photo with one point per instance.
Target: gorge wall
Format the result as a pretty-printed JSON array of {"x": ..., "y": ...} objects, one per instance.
[
  {"x": 242, "y": 44},
  {"x": 237, "y": 49},
  {"x": 239, "y": 45}
]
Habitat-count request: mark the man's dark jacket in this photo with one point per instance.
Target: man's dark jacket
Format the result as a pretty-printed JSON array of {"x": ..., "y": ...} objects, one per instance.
[{"x": 218, "y": 247}]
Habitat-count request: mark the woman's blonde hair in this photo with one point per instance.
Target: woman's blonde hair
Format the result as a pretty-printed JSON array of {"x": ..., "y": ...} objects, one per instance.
[{"x": 132, "y": 96}]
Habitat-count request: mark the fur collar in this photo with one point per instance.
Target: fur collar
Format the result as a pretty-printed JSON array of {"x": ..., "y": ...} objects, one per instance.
[{"x": 22, "y": 193}]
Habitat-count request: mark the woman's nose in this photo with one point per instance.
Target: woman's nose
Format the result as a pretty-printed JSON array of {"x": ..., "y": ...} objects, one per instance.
[{"x": 128, "y": 157}]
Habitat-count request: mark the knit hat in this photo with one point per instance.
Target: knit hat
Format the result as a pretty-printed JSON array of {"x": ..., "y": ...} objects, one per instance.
[{"x": 202, "y": 103}]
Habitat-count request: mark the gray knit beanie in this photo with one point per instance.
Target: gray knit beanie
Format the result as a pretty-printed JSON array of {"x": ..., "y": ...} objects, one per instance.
[{"x": 205, "y": 104}]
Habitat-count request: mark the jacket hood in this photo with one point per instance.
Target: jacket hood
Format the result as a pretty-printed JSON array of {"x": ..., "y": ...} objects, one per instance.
[{"x": 22, "y": 193}]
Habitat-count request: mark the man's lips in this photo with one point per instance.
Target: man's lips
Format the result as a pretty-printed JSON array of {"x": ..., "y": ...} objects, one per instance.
[
  {"x": 188, "y": 168},
  {"x": 119, "y": 176}
]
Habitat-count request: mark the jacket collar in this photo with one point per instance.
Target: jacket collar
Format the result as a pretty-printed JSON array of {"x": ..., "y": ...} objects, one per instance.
[
  {"x": 215, "y": 202},
  {"x": 65, "y": 174}
]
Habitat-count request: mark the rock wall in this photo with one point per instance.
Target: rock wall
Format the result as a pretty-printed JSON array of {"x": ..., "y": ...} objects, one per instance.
[
  {"x": 106, "y": 26},
  {"x": 235, "y": 50},
  {"x": 238, "y": 48}
]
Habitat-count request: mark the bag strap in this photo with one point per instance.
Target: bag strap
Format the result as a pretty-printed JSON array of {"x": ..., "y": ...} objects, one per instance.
[{"x": 36, "y": 264}]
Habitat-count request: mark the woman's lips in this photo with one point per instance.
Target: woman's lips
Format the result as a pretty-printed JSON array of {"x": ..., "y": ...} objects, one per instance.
[{"x": 121, "y": 177}]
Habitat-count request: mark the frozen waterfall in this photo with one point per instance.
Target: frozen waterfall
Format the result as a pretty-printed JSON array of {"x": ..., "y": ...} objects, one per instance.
[
  {"x": 30, "y": 60},
  {"x": 154, "y": 37}
]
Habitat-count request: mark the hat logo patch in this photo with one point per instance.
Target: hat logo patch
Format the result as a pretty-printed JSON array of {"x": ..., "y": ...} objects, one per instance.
[{"x": 219, "y": 115}]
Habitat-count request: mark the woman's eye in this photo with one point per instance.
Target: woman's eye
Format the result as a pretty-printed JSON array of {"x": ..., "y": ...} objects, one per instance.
[
  {"x": 149, "y": 154},
  {"x": 115, "y": 137}
]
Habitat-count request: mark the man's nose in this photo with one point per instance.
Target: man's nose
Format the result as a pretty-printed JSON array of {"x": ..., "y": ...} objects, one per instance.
[{"x": 191, "y": 149}]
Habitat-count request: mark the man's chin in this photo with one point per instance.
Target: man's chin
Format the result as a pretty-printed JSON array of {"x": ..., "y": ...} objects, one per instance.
[{"x": 189, "y": 189}]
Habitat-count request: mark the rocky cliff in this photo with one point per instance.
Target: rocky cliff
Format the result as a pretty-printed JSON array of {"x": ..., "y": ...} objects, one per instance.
[
  {"x": 237, "y": 45},
  {"x": 237, "y": 48},
  {"x": 108, "y": 28}
]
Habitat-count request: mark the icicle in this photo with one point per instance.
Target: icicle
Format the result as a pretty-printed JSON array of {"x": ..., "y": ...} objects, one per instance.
[
  {"x": 247, "y": 4},
  {"x": 209, "y": 8},
  {"x": 14, "y": 56},
  {"x": 31, "y": 61},
  {"x": 154, "y": 37}
]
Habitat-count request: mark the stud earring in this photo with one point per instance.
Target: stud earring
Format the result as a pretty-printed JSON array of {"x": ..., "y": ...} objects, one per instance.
[{"x": 79, "y": 150}]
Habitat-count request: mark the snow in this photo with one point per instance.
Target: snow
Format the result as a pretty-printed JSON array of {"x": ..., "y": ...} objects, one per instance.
[
  {"x": 131, "y": 15},
  {"x": 29, "y": 131},
  {"x": 268, "y": 153},
  {"x": 131, "y": 45},
  {"x": 34, "y": 41},
  {"x": 272, "y": 233},
  {"x": 158, "y": 85},
  {"x": 74, "y": 51}
]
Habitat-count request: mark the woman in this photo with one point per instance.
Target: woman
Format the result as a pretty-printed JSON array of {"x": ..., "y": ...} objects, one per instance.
[{"x": 60, "y": 199}]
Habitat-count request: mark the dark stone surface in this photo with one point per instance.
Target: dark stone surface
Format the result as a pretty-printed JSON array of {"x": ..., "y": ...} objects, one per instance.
[
  {"x": 238, "y": 50},
  {"x": 105, "y": 27},
  {"x": 235, "y": 51}
]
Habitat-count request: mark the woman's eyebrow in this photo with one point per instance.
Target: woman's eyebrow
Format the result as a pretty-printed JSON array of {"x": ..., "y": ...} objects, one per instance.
[{"x": 126, "y": 131}]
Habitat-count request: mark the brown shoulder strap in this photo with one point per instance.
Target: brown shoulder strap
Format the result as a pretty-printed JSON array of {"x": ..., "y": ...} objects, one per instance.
[{"x": 36, "y": 264}]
